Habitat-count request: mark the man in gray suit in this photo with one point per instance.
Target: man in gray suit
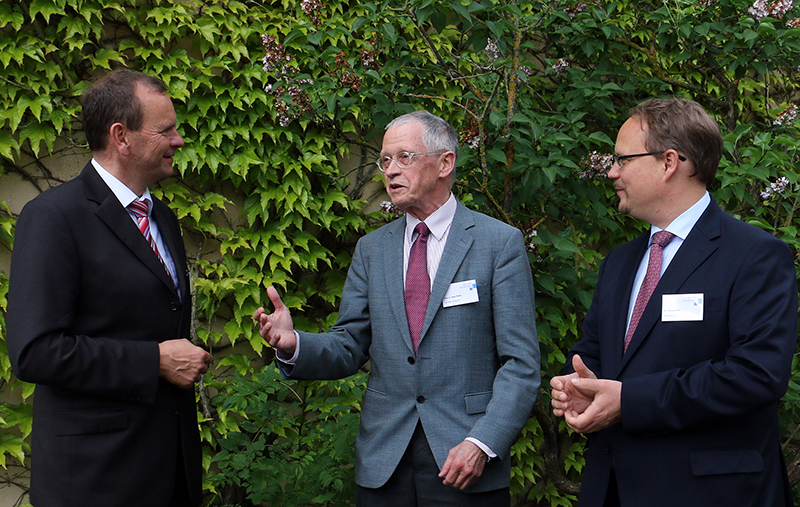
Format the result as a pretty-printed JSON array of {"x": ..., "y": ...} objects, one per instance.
[{"x": 441, "y": 303}]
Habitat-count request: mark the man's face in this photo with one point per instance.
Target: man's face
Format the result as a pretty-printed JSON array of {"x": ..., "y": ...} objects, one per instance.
[
  {"x": 154, "y": 144},
  {"x": 637, "y": 182},
  {"x": 418, "y": 188}
]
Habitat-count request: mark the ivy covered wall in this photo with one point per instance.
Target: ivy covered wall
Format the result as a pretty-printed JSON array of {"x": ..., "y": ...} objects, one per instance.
[{"x": 282, "y": 103}]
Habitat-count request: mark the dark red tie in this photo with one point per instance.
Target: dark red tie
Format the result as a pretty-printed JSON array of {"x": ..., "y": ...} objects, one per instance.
[
  {"x": 660, "y": 240},
  {"x": 418, "y": 284}
]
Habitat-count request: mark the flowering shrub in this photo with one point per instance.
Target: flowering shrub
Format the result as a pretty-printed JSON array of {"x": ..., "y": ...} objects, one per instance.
[{"x": 272, "y": 98}]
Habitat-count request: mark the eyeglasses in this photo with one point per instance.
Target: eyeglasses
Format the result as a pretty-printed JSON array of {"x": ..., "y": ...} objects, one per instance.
[
  {"x": 619, "y": 159},
  {"x": 402, "y": 159}
]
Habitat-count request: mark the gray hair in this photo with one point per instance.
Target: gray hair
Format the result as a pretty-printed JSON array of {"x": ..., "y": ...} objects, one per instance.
[{"x": 437, "y": 134}]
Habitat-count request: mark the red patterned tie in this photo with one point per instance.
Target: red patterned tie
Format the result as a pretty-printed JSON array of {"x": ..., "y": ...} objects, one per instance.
[
  {"x": 660, "y": 240},
  {"x": 418, "y": 284},
  {"x": 140, "y": 209}
]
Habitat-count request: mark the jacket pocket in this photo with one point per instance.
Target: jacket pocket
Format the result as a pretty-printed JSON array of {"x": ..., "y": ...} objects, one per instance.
[
  {"x": 726, "y": 461},
  {"x": 476, "y": 402},
  {"x": 90, "y": 420}
]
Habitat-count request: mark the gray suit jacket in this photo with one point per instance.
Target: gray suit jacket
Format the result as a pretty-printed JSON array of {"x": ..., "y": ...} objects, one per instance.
[{"x": 476, "y": 372}]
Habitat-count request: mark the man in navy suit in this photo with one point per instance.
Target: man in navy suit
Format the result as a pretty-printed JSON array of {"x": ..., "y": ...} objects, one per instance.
[
  {"x": 679, "y": 392},
  {"x": 99, "y": 309},
  {"x": 446, "y": 396}
]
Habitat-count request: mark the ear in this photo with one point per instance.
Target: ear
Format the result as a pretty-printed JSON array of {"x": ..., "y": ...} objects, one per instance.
[
  {"x": 671, "y": 163},
  {"x": 118, "y": 138},
  {"x": 448, "y": 164}
]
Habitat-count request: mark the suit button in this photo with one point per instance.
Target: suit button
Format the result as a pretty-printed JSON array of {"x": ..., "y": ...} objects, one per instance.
[
  {"x": 411, "y": 360},
  {"x": 607, "y": 449},
  {"x": 420, "y": 399},
  {"x": 174, "y": 306}
]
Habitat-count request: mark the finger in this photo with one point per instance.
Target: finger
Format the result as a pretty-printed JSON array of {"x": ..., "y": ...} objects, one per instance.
[
  {"x": 258, "y": 313},
  {"x": 580, "y": 367},
  {"x": 275, "y": 298}
]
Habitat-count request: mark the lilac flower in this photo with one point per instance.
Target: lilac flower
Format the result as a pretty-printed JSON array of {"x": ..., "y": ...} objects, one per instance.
[
  {"x": 787, "y": 115},
  {"x": 597, "y": 166},
  {"x": 560, "y": 67},
  {"x": 762, "y": 9},
  {"x": 776, "y": 187},
  {"x": 492, "y": 50}
]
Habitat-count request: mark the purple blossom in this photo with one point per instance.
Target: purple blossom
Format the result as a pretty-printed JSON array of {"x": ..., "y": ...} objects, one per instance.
[
  {"x": 787, "y": 115},
  {"x": 597, "y": 166},
  {"x": 776, "y": 9},
  {"x": 775, "y": 188}
]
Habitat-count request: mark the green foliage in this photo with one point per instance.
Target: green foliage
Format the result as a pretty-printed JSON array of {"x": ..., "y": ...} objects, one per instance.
[
  {"x": 536, "y": 89},
  {"x": 295, "y": 444}
]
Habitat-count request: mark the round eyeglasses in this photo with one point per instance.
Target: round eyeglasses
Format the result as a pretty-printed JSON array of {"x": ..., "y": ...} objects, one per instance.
[{"x": 402, "y": 159}]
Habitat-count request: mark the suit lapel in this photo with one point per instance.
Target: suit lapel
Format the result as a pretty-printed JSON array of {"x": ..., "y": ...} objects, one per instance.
[
  {"x": 694, "y": 251},
  {"x": 622, "y": 296},
  {"x": 393, "y": 268},
  {"x": 111, "y": 212},
  {"x": 459, "y": 241}
]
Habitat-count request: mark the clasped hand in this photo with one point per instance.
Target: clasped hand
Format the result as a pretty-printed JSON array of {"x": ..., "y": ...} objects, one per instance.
[{"x": 588, "y": 404}]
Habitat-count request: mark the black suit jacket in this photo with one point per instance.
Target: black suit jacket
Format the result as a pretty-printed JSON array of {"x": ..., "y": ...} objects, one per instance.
[
  {"x": 699, "y": 399},
  {"x": 88, "y": 303}
]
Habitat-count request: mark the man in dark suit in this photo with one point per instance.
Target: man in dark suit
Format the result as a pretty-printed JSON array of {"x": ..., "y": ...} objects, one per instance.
[
  {"x": 98, "y": 316},
  {"x": 679, "y": 391},
  {"x": 441, "y": 303}
]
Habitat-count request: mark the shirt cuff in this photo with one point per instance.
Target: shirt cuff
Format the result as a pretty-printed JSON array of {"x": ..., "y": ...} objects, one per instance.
[
  {"x": 284, "y": 358},
  {"x": 482, "y": 447}
]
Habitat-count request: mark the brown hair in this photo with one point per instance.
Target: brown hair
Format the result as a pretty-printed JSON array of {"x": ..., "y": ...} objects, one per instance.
[
  {"x": 111, "y": 100},
  {"x": 682, "y": 125}
]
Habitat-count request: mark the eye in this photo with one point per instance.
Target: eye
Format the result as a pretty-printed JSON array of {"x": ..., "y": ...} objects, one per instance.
[
  {"x": 403, "y": 158},
  {"x": 385, "y": 161}
]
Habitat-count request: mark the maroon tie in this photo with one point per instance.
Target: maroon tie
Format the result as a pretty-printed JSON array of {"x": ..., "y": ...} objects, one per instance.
[
  {"x": 140, "y": 209},
  {"x": 660, "y": 240},
  {"x": 418, "y": 284}
]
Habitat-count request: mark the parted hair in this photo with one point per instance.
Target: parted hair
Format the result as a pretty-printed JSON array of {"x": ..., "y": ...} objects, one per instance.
[
  {"x": 682, "y": 125},
  {"x": 112, "y": 99}
]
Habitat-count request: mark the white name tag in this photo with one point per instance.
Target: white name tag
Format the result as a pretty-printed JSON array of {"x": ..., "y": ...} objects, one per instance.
[
  {"x": 461, "y": 293},
  {"x": 681, "y": 307}
]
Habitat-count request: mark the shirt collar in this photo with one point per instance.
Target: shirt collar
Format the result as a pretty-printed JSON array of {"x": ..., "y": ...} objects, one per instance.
[
  {"x": 682, "y": 226},
  {"x": 438, "y": 222},
  {"x": 124, "y": 194}
]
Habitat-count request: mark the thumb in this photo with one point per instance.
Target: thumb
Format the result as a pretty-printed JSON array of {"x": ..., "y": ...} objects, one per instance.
[
  {"x": 591, "y": 385},
  {"x": 581, "y": 369},
  {"x": 275, "y": 298}
]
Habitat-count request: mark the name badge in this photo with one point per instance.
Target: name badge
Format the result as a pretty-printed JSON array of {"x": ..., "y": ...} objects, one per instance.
[
  {"x": 461, "y": 293},
  {"x": 681, "y": 307}
]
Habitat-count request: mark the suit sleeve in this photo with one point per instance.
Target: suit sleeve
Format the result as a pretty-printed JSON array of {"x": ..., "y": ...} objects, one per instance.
[
  {"x": 344, "y": 348},
  {"x": 754, "y": 372},
  {"x": 517, "y": 382},
  {"x": 43, "y": 294}
]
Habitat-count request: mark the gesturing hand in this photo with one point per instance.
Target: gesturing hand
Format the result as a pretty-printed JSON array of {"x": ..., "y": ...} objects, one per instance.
[{"x": 277, "y": 327}]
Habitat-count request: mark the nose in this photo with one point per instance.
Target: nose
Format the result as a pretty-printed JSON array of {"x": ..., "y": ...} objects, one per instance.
[
  {"x": 177, "y": 140},
  {"x": 613, "y": 173},
  {"x": 391, "y": 169}
]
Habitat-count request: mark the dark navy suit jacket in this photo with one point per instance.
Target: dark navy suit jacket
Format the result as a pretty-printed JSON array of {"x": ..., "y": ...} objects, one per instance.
[
  {"x": 88, "y": 303},
  {"x": 699, "y": 398}
]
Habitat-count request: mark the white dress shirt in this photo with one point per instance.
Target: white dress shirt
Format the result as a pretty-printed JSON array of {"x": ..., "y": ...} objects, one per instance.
[
  {"x": 680, "y": 227},
  {"x": 126, "y": 196}
]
